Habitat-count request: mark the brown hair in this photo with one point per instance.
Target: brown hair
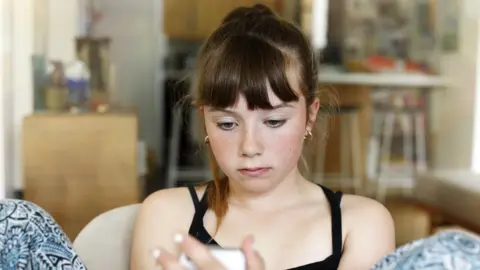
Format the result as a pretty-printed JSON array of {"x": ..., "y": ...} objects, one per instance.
[{"x": 252, "y": 46}]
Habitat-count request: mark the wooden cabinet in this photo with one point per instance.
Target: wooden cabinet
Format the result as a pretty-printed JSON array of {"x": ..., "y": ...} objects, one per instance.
[
  {"x": 180, "y": 18},
  {"x": 210, "y": 14},
  {"x": 197, "y": 19},
  {"x": 79, "y": 166}
]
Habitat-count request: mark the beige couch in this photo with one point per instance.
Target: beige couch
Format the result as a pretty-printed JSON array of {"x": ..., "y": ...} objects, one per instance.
[
  {"x": 104, "y": 243},
  {"x": 453, "y": 194}
]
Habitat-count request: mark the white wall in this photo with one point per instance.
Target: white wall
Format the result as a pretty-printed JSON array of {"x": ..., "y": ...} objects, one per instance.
[
  {"x": 55, "y": 28},
  {"x": 454, "y": 108},
  {"x": 6, "y": 113},
  {"x": 136, "y": 46},
  {"x": 62, "y": 28},
  {"x": 476, "y": 125},
  {"x": 41, "y": 26},
  {"x": 16, "y": 96},
  {"x": 22, "y": 84}
]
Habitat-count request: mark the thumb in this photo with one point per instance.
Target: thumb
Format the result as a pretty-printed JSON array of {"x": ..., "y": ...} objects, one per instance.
[{"x": 253, "y": 258}]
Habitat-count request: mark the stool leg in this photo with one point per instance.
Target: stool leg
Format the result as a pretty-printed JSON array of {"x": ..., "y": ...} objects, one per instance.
[
  {"x": 174, "y": 149},
  {"x": 373, "y": 150},
  {"x": 385, "y": 157},
  {"x": 307, "y": 160},
  {"x": 408, "y": 140},
  {"x": 408, "y": 147},
  {"x": 420, "y": 144},
  {"x": 318, "y": 164},
  {"x": 344, "y": 152},
  {"x": 356, "y": 153}
]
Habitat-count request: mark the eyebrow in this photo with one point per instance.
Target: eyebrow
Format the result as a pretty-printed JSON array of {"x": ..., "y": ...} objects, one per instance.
[{"x": 279, "y": 106}]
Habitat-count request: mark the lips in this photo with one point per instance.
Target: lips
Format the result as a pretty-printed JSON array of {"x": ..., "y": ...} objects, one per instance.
[{"x": 254, "y": 172}]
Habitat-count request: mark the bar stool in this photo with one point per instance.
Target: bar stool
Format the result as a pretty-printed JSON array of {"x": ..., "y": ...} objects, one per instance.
[
  {"x": 174, "y": 171},
  {"x": 350, "y": 150},
  {"x": 389, "y": 122}
]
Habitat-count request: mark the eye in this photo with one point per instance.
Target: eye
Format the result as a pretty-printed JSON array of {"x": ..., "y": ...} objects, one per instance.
[
  {"x": 226, "y": 125},
  {"x": 275, "y": 123}
]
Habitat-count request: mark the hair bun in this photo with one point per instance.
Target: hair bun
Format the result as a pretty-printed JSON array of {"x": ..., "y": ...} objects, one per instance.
[
  {"x": 261, "y": 10},
  {"x": 257, "y": 11}
]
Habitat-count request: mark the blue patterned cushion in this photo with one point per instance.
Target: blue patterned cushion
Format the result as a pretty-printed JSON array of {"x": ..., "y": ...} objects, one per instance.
[
  {"x": 31, "y": 239},
  {"x": 447, "y": 250}
]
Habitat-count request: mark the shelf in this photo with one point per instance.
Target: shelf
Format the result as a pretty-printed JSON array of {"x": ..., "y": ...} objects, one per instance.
[
  {"x": 367, "y": 79},
  {"x": 383, "y": 79}
]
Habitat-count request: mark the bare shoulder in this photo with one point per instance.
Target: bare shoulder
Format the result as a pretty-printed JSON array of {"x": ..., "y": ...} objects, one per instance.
[
  {"x": 168, "y": 200},
  {"x": 172, "y": 206},
  {"x": 161, "y": 215},
  {"x": 369, "y": 230},
  {"x": 356, "y": 209}
]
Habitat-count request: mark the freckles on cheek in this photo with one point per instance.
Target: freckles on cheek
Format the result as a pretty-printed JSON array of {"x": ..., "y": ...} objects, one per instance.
[
  {"x": 221, "y": 138},
  {"x": 288, "y": 145}
]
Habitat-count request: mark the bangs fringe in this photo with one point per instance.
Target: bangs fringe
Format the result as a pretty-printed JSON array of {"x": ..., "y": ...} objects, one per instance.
[{"x": 244, "y": 65}]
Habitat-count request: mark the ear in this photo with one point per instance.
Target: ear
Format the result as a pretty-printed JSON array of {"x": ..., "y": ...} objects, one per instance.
[
  {"x": 202, "y": 111},
  {"x": 312, "y": 113}
]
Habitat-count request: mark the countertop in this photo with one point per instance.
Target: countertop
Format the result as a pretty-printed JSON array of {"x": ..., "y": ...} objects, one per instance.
[
  {"x": 331, "y": 76},
  {"x": 382, "y": 79}
]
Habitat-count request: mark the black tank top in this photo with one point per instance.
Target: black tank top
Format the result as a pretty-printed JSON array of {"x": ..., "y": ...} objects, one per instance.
[{"x": 330, "y": 263}]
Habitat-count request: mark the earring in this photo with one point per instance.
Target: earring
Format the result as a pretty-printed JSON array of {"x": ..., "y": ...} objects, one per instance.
[
  {"x": 206, "y": 139},
  {"x": 308, "y": 135}
]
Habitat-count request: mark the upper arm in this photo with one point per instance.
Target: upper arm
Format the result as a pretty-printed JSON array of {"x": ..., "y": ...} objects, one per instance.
[
  {"x": 160, "y": 216},
  {"x": 371, "y": 235}
]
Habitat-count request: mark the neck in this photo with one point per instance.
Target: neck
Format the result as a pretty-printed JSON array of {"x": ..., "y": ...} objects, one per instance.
[{"x": 286, "y": 192}]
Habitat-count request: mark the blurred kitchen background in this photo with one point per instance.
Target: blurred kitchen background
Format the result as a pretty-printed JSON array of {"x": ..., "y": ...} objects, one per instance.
[{"x": 91, "y": 94}]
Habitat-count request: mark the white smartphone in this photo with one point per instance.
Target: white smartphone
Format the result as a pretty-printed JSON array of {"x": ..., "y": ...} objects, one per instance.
[{"x": 231, "y": 258}]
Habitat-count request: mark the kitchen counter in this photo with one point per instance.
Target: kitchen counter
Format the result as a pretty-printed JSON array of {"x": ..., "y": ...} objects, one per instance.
[
  {"x": 382, "y": 79},
  {"x": 361, "y": 79}
]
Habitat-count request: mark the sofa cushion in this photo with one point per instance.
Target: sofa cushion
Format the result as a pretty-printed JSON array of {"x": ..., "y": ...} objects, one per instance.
[
  {"x": 105, "y": 242},
  {"x": 453, "y": 193}
]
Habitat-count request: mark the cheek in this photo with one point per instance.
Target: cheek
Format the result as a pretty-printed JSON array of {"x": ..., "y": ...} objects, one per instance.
[
  {"x": 220, "y": 145},
  {"x": 286, "y": 144}
]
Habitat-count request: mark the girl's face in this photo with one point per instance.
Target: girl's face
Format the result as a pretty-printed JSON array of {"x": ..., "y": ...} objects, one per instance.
[{"x": 259, "y": 148}]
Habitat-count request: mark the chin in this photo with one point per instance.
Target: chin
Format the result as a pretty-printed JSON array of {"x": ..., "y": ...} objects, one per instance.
[{"x": 255, "y": 184}]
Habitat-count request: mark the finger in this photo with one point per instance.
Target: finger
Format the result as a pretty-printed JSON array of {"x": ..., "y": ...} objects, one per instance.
[
  {"x": 166, "y": 260},
  {"x": 197, "y": 252},
  {"x": 253, "y": 258}
]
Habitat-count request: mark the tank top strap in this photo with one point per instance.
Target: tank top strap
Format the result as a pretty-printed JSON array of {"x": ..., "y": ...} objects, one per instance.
[
  {"x": 201, "y": 208},
  {"x": 193, "y": 195},
  {"x": 335, "y": 198}
]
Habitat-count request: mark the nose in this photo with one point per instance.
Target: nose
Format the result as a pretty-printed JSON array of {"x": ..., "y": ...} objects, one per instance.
[{"x": 251, "y": 144}]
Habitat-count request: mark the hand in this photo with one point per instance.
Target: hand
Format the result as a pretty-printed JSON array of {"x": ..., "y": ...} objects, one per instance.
[{"x": 199, "y": 254}]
